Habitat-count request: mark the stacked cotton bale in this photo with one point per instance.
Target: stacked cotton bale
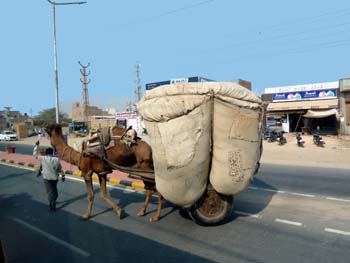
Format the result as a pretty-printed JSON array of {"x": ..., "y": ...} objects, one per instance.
[{"x": 200, "y": 131}]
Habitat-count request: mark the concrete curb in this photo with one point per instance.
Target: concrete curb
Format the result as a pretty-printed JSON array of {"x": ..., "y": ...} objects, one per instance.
[{"x": 110, "y": 181}]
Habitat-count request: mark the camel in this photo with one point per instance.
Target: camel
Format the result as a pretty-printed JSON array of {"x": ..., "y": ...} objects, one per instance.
[{"x": 136, "y": 156}]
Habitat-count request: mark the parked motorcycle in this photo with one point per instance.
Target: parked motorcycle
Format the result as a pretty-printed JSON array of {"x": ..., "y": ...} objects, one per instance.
[
  {"x": 300, "y": 141},
  {"x": 270, "y": 135},
  {"x": 280, "y": 138},
  {"x": 318, "y": 140}
]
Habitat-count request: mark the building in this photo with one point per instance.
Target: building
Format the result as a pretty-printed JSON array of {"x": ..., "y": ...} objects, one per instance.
[
  {"x": 344, "y": 106},
  {"x": 304, "y": 108},
  {"x": 11, "y": 119},
  {"x": 78, "y": 112},
  {"x": 102, "y": 121}
]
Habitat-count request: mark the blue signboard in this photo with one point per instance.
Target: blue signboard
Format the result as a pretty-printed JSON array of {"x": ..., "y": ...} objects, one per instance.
[
  {"x": 305, "y": 95},
  {"x": 153, "y": 85}
]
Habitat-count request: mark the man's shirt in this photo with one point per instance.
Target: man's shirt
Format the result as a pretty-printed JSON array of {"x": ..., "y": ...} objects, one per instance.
[{"x": 51, "y": 166}]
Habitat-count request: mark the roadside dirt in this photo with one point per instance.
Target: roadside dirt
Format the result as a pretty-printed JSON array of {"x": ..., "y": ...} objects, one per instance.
[{"x": 336, "y": 152}]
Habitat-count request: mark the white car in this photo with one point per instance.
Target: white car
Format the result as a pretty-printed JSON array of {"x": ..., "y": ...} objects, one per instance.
[{"x": 8, "y": 136}]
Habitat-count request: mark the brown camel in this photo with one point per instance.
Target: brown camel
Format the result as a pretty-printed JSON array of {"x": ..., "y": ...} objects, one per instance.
[{"x": 137, "y": 156}]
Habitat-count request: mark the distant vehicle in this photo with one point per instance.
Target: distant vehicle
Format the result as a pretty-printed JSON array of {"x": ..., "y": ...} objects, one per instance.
[
  {"x": 33, "y": 133},
  {"x": 8, "y": 136}
]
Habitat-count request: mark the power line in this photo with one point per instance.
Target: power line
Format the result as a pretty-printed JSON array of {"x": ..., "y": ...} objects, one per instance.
[
  {"x": 170, "y": 12},
  {"x": 252, "y": 42},
  {"x": 307, "y": 20},
  {"x": 302, "y": 49}
]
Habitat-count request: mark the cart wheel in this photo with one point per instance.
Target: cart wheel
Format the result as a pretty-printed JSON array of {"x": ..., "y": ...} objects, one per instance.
[{"x": 211, "y": 209}]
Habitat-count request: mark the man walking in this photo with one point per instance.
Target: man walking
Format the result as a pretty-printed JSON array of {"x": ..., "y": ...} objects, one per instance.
[{"x": 51, "y": 169}]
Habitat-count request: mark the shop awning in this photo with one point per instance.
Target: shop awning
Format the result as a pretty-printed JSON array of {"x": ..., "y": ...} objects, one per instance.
[
  {"x": 303, "y": 105},
  {"x": 321, "y": 114}
]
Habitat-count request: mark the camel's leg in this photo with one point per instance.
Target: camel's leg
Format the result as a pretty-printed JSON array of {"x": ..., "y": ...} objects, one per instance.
[
  {"x": 159, "y": 209},
  {"x": 90, "y": 198},
  {"x": 145, "y": 204},
  {"x": 105, "y": 197}
]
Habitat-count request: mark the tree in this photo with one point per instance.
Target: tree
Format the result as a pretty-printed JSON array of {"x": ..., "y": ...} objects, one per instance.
[{"x": 49, "y": 116}]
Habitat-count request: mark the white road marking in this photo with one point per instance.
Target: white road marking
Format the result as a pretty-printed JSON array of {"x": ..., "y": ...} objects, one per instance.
[
  {"x": 303, "y": 195},
  {"x": 299, "y": 194},
  {"x": 338, "y": 199},
  {"x": 53, "y": 238},
  {"x": 247, "y": 214},
  {"x": 288, "y": 222},
  {"x": 336, "y": 231},
  {"x": 266, "y": 189}
]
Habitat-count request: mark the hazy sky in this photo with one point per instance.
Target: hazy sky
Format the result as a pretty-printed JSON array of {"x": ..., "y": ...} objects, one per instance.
[{"x": 270, "y": 43}]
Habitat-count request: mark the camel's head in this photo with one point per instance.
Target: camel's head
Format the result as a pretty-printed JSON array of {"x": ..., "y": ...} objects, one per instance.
[{"x": 53, "y": 129}]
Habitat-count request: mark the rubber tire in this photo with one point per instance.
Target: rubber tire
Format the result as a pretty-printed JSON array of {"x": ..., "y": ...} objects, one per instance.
[{"x": 201, "y": 219}]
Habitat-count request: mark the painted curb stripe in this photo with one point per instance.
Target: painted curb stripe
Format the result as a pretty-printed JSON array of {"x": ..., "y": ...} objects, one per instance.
[
  {"x": 112, "y": 181},
  {"x": 137, "y": 185},
  {"x": 76, "y": 173},
  {"x": 126, "y": 183}
]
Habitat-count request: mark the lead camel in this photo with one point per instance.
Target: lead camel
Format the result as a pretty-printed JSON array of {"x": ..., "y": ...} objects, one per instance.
[{"x": 137, "y": 156}]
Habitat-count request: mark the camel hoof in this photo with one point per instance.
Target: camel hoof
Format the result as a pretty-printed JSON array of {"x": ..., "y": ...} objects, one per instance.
[
  {"x": 141, "y": 213},
  {"x": 84, "y": 217},
  {"x": 120, "y": 213},
  {"x": 154, "y": 219}
]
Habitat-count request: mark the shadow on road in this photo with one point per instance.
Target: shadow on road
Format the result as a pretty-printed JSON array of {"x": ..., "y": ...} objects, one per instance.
[
  {"x": 11, "y": 176},
  {"x": 128, "y": 199},
  {"x": 251, "y": 201},
  {"x": 101, "y": 243}
]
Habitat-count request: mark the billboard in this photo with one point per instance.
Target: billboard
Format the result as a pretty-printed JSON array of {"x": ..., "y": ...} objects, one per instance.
[
  {"x": 303, "y": 87},
  {"x": 305, "y": 95},
  {"x": 153, "y": 85}
]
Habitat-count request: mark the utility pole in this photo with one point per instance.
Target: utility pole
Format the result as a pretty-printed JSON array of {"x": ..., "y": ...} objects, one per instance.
[
  {"x": 85, "y": 83},
  {"x": 55, "y": 49},
  {"x": 138, "y": 88}
]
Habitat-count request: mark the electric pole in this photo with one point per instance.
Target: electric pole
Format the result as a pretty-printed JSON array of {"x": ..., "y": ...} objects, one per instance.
[
  {"x": 85, "y": 83},
  {"x": 138, "y": 87},
  {"x": 55, "y": 49}
]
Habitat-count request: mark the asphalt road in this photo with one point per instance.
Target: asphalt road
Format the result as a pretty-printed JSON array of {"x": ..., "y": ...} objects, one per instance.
[
  {"x": 20, "y": 148},
  {"x": 286, "y": 215}
]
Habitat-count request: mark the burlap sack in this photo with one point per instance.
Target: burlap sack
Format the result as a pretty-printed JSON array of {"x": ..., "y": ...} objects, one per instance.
[
  {"x": 236, "y": 147},
  {"x": 180, "y": 119}
]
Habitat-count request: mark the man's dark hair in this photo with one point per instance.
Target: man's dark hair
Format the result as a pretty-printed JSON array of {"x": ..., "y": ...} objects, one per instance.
[{"x": 49, "y": 151}]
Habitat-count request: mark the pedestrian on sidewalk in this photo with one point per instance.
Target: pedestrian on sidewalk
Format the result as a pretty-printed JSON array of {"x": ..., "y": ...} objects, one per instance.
[{"x": 51, "y": 169}]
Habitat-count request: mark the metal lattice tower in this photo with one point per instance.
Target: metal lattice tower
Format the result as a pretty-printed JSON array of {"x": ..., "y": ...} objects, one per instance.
[
  {"x": 85, "y": 83},
  {"x": 138, "y": 87}
]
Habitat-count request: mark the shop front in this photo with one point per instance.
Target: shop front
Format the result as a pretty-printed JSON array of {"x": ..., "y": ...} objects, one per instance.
[{"x": 304, "y": 108}]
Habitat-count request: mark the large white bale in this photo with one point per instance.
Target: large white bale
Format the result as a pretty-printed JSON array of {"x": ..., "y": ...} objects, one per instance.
[
  {"x": 236, "y": 147},
  {"x": 181, "y": 155},
  {"x": 180, "y": 119}
]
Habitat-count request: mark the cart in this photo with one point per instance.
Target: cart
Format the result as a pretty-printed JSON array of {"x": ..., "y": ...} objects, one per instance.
[
  {"x": 211, "y": 209},
  {"x": 206, "y": 141}
]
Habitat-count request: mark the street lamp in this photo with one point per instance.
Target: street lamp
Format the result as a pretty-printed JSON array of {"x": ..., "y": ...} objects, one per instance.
[{"x": 55, "y": 49}]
